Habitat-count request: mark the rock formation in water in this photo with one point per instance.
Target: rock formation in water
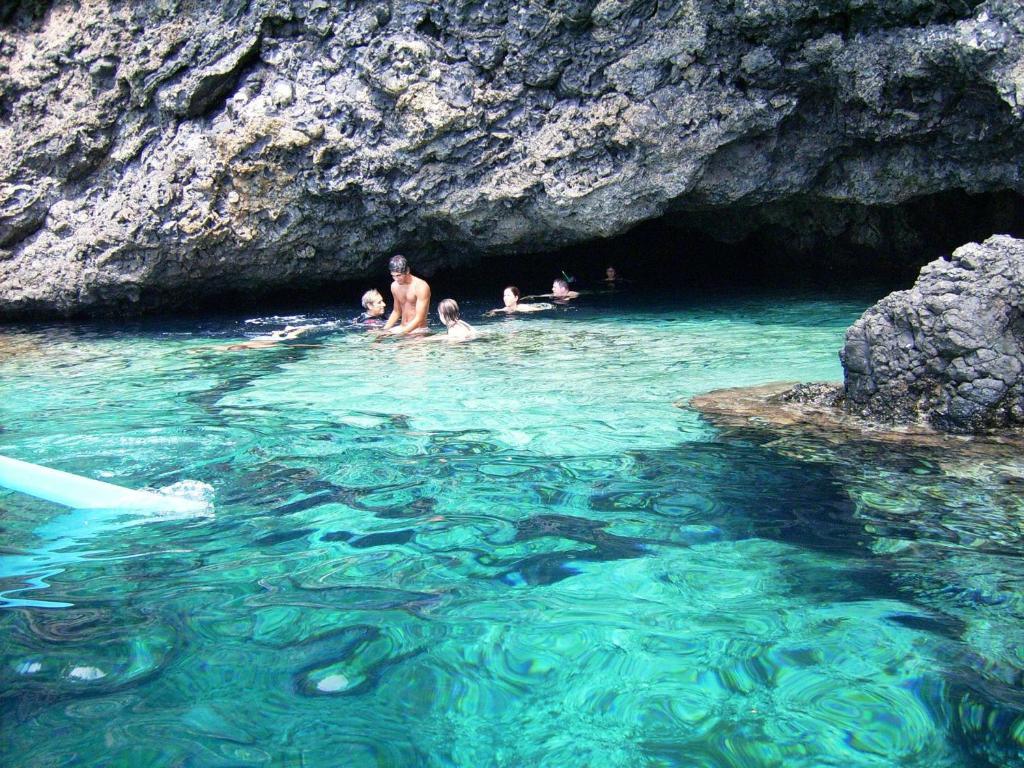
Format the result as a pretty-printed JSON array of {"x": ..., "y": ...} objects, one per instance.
[
  {"x": 950, "y": 351},
  {"x": 156, "y": 151}
]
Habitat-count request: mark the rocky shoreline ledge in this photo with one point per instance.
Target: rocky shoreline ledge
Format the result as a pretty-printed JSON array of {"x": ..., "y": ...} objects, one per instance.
[
  {"x": 940, "y": 364},
  {"x": 812, "y": 410}
]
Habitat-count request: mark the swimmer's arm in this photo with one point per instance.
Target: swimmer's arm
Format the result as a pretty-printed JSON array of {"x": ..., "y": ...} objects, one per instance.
[{"x": 294, "y": 331}]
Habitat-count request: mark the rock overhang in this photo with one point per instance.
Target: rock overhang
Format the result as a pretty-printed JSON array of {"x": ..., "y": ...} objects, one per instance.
[{"x": 152, "y": 155}]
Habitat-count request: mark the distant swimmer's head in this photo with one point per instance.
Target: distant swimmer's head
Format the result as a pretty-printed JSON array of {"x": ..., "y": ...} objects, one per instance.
[
  {"x": 610, "y": 275},
  {"x": 510, "y": 296},
  {"x": 560, "y": 288},
  {"x": 448, "y": 311},
  {"x": 399, "y": 269},
  {"x": 373, "y": 303}
]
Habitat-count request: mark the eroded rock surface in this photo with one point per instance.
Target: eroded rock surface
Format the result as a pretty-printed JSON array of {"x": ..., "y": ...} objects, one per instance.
[
  {"x": 950, "y": 351},
  {"x": 158, "y": 150}
]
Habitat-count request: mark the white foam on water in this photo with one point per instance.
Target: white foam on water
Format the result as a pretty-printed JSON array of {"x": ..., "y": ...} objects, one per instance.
[
  {"x": 193, "y": 490},
  {"x": 87, "y": 674},
  {"x": 333, "y": 683}
]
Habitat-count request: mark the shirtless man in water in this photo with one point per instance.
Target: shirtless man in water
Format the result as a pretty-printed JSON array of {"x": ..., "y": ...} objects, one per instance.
[{"x": 412, "y": 300}]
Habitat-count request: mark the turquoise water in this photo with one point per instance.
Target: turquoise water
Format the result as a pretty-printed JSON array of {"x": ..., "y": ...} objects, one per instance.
[{"x": 515, "y": 551}]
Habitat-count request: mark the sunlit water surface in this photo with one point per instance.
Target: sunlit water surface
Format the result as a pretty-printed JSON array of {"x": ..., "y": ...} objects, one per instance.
[{"x": 515, "y": 551}]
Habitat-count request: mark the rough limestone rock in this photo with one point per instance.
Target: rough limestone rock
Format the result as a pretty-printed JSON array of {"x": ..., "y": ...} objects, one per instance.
[
  {"x": 950, "y": 351},
  {"x": 155, "y": 151}
]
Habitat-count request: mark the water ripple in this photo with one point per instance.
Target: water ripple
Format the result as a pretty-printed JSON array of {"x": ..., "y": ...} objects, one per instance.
[{"x": 512, "y": 552}]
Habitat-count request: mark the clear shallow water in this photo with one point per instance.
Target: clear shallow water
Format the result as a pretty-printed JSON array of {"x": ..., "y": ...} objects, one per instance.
[{"x": 509, "y": 552}]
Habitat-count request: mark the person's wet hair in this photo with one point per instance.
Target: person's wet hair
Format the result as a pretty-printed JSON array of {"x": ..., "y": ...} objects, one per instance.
[
  {"x": 398, "y": 264},
  {"x": 370, "y": 297},
  {"x": 560, "y": 283},
  {"x": 448, "y": 311},
  {"x": 515, "y": 291}
]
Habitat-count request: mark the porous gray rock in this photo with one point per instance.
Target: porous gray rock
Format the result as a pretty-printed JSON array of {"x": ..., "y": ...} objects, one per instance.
[
  {"x": 949, "y": 351},
  {"x": 154, "y": 151}
]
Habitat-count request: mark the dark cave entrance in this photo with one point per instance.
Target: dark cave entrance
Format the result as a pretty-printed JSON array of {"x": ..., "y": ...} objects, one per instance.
[{"x": 801, "y": 244}]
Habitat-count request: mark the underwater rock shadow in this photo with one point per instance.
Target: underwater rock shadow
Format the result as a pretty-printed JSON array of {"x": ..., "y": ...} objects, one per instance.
[
  {"x": 552, "y": 567},
  {"x": 809, "y": 503},
  {"x": 54, "y": 636},
  {"x": 794, "y": 503}
]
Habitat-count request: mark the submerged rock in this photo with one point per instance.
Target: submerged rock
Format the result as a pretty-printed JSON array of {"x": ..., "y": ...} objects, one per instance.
[
  {"x": 157, "y": 151},
  {"x": 815, "y": 411},
  {"x": 950, "y": 351}
]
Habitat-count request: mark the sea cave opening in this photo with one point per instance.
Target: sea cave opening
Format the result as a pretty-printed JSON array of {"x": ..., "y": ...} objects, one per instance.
[{"x": 806, "y": 245}]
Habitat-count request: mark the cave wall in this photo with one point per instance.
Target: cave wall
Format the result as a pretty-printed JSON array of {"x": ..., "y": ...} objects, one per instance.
[{"x": 153, "y": 152}]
